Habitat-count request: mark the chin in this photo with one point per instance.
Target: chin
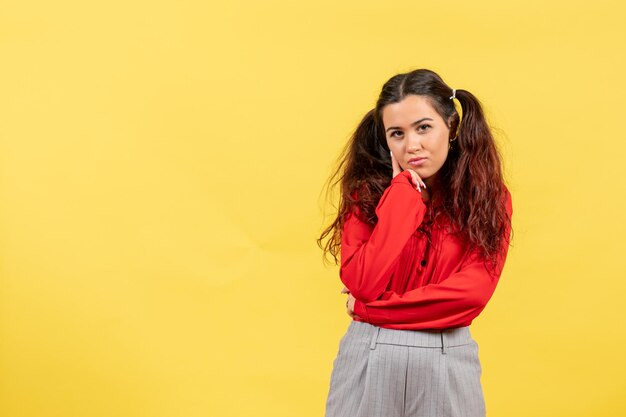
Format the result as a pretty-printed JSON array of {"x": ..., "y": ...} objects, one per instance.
[{"x": 423, "y": 173}]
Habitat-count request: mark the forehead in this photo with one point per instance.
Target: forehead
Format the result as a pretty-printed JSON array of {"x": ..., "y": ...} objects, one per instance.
[{"x": 410, "y": 109}]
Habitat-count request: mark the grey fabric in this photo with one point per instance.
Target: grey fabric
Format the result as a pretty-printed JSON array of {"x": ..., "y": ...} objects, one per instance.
[{"x": 382, "y": 372}]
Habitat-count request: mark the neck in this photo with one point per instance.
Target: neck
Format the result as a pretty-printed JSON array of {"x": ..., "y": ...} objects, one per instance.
[
  {"x": 434, "y": 187},
  {"x": 433, "y": 184}
]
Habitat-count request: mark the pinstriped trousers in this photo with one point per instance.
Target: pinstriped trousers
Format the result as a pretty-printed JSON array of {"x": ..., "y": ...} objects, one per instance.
[{"x": 381, "y": 372}]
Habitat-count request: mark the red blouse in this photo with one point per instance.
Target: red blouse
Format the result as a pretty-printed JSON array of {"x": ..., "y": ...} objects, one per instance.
[{"x": 399, "y": 279}]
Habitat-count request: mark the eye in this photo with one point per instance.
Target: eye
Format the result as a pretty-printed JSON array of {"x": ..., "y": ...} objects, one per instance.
[
  {"x": 424, "y": 126},
  {"x": 394, "y": 132}
]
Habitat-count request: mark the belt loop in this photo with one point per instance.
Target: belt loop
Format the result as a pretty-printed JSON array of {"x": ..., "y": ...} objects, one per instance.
[
  {"x": 374, "y": 338},
  {"x": 443, "y": 344}
]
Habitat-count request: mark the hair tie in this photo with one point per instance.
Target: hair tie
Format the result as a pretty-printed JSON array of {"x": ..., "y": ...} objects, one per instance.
[{"x": 453, "y": 94}]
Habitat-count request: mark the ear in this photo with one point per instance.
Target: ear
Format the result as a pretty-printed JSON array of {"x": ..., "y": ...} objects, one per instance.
[
  {"x": 450, "y": 122},
  {"x": 453, "y": 122}
]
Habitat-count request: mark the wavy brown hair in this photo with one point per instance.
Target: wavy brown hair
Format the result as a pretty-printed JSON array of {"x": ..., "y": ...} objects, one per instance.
[{"x": 472, "y": 187}]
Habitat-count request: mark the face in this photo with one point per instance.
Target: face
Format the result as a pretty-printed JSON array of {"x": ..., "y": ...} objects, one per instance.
[{"x": 414, "y": 129}]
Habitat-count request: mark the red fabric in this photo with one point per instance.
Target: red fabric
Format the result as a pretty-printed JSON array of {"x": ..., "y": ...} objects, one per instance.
[{"x": 399, "y": 280}]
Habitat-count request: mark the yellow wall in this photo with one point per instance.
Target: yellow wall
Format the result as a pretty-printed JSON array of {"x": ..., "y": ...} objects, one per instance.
[{"x": 161, "y": 174}]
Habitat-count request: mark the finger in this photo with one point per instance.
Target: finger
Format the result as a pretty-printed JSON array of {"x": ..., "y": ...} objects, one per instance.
[
  {"x": 413, "y": 180},
  {"x": 416, "y": 180},
  {"x": 395, "y": 165},
  {"x": 351, "y": 314},
  {"x": 421, "y": 181}
]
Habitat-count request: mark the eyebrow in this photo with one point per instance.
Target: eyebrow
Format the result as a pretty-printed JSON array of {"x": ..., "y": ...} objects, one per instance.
[{"x": 412, "y": 124}]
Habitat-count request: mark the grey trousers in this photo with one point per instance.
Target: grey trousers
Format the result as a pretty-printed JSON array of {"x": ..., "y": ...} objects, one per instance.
[{"x": 382, "y": 372}]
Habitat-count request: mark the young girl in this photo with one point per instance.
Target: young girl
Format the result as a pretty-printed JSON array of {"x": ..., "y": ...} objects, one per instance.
[{"x": 423, "y": 232}]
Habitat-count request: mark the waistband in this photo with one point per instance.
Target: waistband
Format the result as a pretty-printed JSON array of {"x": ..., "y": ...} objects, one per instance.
[{"x": 443, "y": 338}]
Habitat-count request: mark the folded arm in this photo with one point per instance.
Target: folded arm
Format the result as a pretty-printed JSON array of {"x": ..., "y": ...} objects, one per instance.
[
  {"x": 368, "y": 254},
  {"x": 453, "y": 302}
]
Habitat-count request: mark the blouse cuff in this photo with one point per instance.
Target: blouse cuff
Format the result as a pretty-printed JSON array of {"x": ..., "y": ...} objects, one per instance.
[
  {"x": 361, "y": 310},
  {"x": 403, "y": 177}
]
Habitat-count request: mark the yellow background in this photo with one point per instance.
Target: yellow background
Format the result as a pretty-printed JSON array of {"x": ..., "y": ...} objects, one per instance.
[{"x": 162, "y": 167}]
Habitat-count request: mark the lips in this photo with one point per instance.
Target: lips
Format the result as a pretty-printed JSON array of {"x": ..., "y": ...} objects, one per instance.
[{"x": 417, "y": 162}]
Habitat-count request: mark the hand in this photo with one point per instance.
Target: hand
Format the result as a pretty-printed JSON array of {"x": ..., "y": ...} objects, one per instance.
[
  {"x": 350, "y": 303},
  {"x": 415, "y": 178}
]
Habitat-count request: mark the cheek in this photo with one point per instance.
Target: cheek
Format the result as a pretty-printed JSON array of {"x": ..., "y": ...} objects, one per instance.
[
  {"x": 396, "y": 148},
  {"x": 442, "y": 146},
  {"x": 443, "y": 155},
  {"x": 441, "y": 152}
]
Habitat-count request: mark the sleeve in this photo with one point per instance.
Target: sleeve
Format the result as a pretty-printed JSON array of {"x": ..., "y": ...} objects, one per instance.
[
  {"x": 454, "y": 302},
  {"x": 368, "y": 254}
]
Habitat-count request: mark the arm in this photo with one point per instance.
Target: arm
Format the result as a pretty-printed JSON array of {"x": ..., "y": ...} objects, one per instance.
[
  {"x": 453, "y": 302},
  {"x": 368, "y": 254}
]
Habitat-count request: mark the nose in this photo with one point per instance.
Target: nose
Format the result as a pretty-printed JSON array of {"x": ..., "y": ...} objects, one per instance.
[{"x": 414, "y": 142}]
